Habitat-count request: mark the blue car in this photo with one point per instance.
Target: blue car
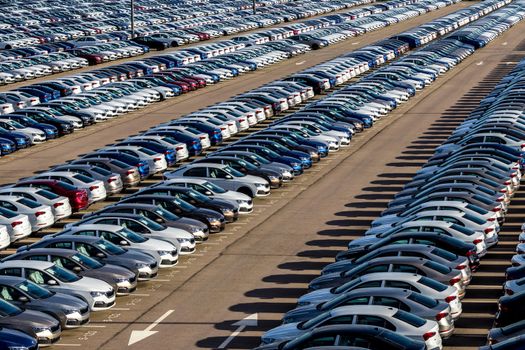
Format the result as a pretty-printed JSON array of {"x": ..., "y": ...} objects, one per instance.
[{"x": 12, "y": 339}]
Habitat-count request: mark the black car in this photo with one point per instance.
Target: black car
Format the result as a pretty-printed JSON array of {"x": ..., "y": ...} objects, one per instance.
[
  {"x": 510, "y": 309},
  {"x": 498, "y": 335},
  {"x": 516, "y": 343}
]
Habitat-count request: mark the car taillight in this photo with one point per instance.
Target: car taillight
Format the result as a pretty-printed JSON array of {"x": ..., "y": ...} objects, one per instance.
[
  {"x": 504, "y": 190},
  {"x": 59, "y": 204},
  {"x": 451, "y": 298},
  {"x": 500, "y": 199},
  {"x": 179, "y": 148},
  {"x": 454, "y": 280},
  {"x": 111, "y": 179},
  {"x": 477, "y": 241},
  {"x": 489, "y": 230},
  {"x": 491, "y": 219},
  {"x": 461, "y": 267},
  {"x": 92, "y": 188},
  {"x": 194, "y": 143},
  {"x": 129, "y": 172},
  {"x": 223, "y": 128},
  {"x": 157, "y": 159},
  {"x": 79, "y": 194},
  {"x": 16, "y": 223},
  {"x": 441, "y": 315},
  {"x": 508, "y": 182},
  {"x": 38, "y": 213},
  {"x": 202, "y": 138},
  {"x": 428, "y": 335},
  {"x": 496, "y": 209}
]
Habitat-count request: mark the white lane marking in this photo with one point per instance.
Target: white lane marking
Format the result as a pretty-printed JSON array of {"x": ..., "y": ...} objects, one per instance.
[
  {"x": 249, "y": 321},
  {"x": 137, "y": 336},
  {"x": 300, "y": 63}
]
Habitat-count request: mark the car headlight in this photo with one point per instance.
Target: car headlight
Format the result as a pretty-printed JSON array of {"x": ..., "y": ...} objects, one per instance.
[
  {"x": 20, "y": 140},
  {"x": 17, "y": 347},
  {"x": 226, "y": 211},
  {"x": 273, "y": 178},
  {"x": 241, "y": 201},
  {"x": 294, "y": 164},
  {"x": 260, "y": 185},
  {"x": 141, "y": 265},
  {"x": 183, "y": 240},
  {"x": 40, "y": 329},
  {"x": 35, "y": 134},
  {"x": 122, "y": 279},
  {"x": 195, "y": 229},
  {"x": 163, "y": 252},
  {"x": 97, "y": 294}
]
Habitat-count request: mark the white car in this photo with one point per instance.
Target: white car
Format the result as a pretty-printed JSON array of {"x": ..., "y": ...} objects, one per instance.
[
  {"x": 96, "y": 189},
  {"x": 40, "y": 215},
  {"x": 60, "y": 205}
]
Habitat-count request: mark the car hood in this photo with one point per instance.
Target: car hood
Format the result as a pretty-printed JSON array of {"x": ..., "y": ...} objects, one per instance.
[
  {"x": 14, "y": 338},
  {"x": 232, "y": 195},
  {"x": 363, "y": 241},
  {"x": 86, "y": 284},
  {"x": 285, "y": 331},
  {"x": 316, "y": 297},
  {"x": 109, "y": 270},
  {"x": 29, "y": 318}
]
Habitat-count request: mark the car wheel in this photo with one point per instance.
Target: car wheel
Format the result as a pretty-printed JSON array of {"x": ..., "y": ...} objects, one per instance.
[{"x": 246, "y": 191}]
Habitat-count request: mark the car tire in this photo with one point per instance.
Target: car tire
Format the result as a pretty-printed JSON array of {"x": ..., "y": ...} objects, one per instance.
[{"x": 246, "y": 191}]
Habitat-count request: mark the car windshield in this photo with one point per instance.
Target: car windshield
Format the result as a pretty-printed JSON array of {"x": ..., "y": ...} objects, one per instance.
[
  {"x": 314, "y": 321},
  {"x": 132, "y": 236},
  {"x": 109, "y": 247},
  {"x": 29, "y": 203},
  {"x": 166, "y": 214},
  {"x": 196, "y": 195},
  {"x": 8, "y": 309},
  {"x": 183, "y": 204},
  {"x": 233, "y": 172},
  {"x": 34, "y": 290},
  {"x": 47, "y": 194},
  {"x": 213, "y": 188},
  {"x": 16, "y": 124},
  {"x": 61, "y": 274},
  {"x": 151, "y": 224},
  {"x": 86, "y": 261}
]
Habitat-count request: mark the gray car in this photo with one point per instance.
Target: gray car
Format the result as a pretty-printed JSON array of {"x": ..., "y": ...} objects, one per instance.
[
  {"x": 225, "y": 177},
  {"x": 104, "y": 251},
  {"x": 59, "y": 205},
  {"x": 129, "y": 174},
  {"x": 422, "y": 266},
  {"x": 44, "y": 328},
  {"x": 165, "y": 252},
  {"x": 403, "y": 299},
  {"x": 69, "y": 310},
  {"x": 98, "y": 294},
  {"x": 112, "y": 181},
  {"x": 122, "y": 279},
  {"x": 404, "y": 280},
  {"x": 429, "y": 252},
  {"x": 391, "y": 318},
  {"x": 157, "y": 214}
]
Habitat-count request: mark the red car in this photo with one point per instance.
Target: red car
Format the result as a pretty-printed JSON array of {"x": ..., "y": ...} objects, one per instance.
[{"x": 78, "y": 197}]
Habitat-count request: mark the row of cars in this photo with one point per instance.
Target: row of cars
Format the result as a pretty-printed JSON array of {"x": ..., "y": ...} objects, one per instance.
[
  {"x": 400, "y": 286},
  {"x": 107, "y": 252},
  {"x": 486, "y": 152},
  {"x": 39, "y": 112},
  {"x": 24, "y": 63}
]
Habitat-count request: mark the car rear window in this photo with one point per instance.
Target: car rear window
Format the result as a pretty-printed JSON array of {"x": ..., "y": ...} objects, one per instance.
[
  {"x": 47, "y": 194},
  {"x": 482, "y": 199},
  {"x": 28, "y": 203},
  {"x": 423, "y": 300},
  {"x": 83, "y": 178},
  {"x": 432, "y": 284},
  {"x": 438, "y": 267},
  {"x": 445, "y": 254},
  {"x": 67, "y": 186},
  {"x": 463, "y": 230},
  {"x": 477, "y": 209},
  {"x": 474, "y": 219},
  {"x": 413, "y": 320}
]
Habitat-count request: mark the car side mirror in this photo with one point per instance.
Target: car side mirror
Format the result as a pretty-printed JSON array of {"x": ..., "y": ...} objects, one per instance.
[
  {"x": 52, "y": 282},
  {"x": 229, "y": 177},
  {"x": 77, "y": 269},
  {"x": 23, "y": 299},
  {"x": 100, "y": 255},
  {"x": 208, "y": 193},
  {"x": 123, "y": 242},
  {"x": 159, "y": 220}
]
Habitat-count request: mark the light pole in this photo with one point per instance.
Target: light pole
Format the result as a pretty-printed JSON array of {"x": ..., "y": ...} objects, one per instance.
[
  {"x": 132, "y": 18},
  {"x": 253, "y": 6}
]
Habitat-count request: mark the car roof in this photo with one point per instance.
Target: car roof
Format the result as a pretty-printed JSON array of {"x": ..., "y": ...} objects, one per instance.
[
  {"x": 94, "y": 227},
  {"x": 26, "y": 263}
]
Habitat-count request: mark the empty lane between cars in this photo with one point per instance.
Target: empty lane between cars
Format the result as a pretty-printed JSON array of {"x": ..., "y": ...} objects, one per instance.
[
  {"x": 26, "y": 162},
  {"x": 265, "y": 264}
]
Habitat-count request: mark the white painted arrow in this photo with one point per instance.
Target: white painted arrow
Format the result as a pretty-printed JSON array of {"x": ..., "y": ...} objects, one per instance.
[
  {"x": 300, "y": 63},
  {"x": 137, "y": 336},
  {"x": 479, "y": 63},
  {"x": 248, "y": 321}
]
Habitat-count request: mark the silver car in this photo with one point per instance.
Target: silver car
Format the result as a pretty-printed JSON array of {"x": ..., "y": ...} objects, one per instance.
[
  {"x": 211, "y": 190},
  {"x": 391, "y": 318},
  {"x": 403, "y": 299},
  {"x": 98, "y": 294},
  {"x": 112, "y": 181},
  {"x": 225, "y": 177},
  {"x": 162, "y": 250}
]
